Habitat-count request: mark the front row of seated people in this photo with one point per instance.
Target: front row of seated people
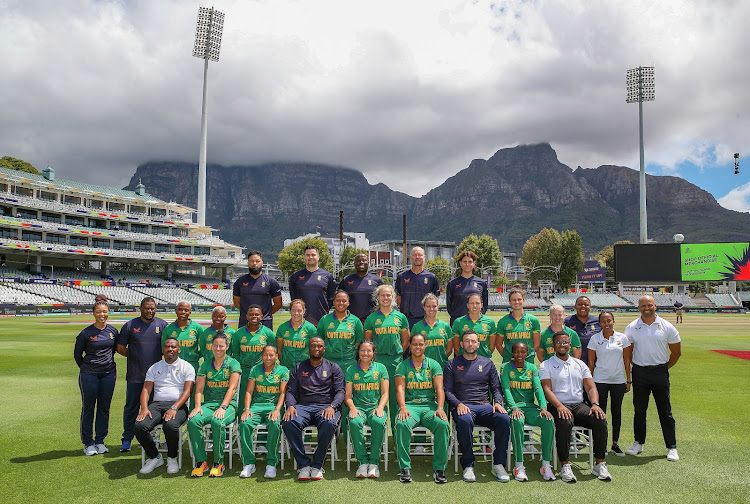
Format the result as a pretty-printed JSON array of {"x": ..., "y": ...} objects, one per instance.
[{"x": 313, "y": 392}]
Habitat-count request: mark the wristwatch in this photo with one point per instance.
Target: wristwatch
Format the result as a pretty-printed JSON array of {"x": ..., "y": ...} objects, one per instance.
[
  {"x": 595, "y": 404},
  {"x": 224, "y": 407},
  {"x": 173, "y": 408}
]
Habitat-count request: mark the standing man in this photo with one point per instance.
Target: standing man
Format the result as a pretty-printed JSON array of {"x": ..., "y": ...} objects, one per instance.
[
  {"x": 186, "y": 332},
  {"x": 656, "y": 348},
  {"x": 360, "y": 285},
  {"x": 472, "y": 388},
  {"x": 171, "y": 381},
  {"x": 314, "y": 396},
  {"x": 584, "y": 324},
  {"x": 313, "y": 285},
  {"x": 563, "y": 379},
  {"x": 140, "y": 341},
  {"x": 218, "y": 323},
  {"x": 257, "y": 288},
  {"x": 412, "y": 285}
]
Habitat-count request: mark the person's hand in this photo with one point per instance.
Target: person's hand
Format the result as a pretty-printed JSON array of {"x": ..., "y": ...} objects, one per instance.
[
  {"x": 353, "y": 413},
  {"x": 379, "y": 412},
  {"x": 219, "y": 413},
  {"x": 462, "y": 409},
  {"x": 627, "y": 387},
  {"x": 245, "y": 415},
  {"x": 168, "y": 415},
  {"x": 546, "y": 414},
  {"x": 329, "y": 413},
  {"x": 516, "y": 414},
  {"x": 564, "y": 413},
  {"x": 274, "y": 415},
  {"x": 196, "y": 411},
  {"x": 597, "y": 412},
  {"x": 499, "y": 408},
  {"x": 403, "y": 414},
  {"x": 441, "y": 413},
  {"x": 143, "y": 414},
  {"x": 290, "y": 413}
]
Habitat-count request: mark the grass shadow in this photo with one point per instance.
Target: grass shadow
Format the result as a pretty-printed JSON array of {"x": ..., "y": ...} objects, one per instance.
[
  {"x": 47, "y": 456},
  {"x": 121, "y": 468}
]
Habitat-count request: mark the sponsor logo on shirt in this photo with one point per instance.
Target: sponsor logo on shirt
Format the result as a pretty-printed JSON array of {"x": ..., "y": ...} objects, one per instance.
[
  {"x": 406, "y": 280},
  {"x": 330, "y": 326},
  {"x": 411, "y": 374},
  {"x": 460, "y": 368},
  {"x": 245, "y": 284},
  {"x": 510, "y": 326},
  {"x": 210, "y": 374},
  {"x": 305, "y": 373},
  {"x": 137, "y": 330},
  {"x": 260, "y": 377}
]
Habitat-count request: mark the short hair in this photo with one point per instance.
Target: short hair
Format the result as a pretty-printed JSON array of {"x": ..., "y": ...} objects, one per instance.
[
  {"x": 299, "y": 302},
  {"x": 472, "y": 295},
  {"x": 583, "y": 297},
  {"x": 341, "y": 291},
  {"x": 218, "y": 308},
  {"x": 465, "y": 253},
  {"x": 147, "y": 299},
  {"x": 254, "y": 306},
  {"x": 254, "y": 252},
  {"x": 469, "y": 331},
  {"x": 315, "y": 336},
  {"x": 559, "y": 334},
  {"x": 430, "y": 296},
  {"x": 184, "y": 302},
  {"x": 310, "y": 246},
  {"x": 519, "y": 343},
  {"x": 170, "y": 338}
]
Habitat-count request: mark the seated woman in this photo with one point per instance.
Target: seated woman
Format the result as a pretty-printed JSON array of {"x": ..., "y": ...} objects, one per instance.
[
  {"x": 520, "y": 382},
  {"x": 421, "y": 399},
  {"x": 263, "y": 400},
  {"x": 216, "y": 383},
  {"x": 366, "y": 398}
]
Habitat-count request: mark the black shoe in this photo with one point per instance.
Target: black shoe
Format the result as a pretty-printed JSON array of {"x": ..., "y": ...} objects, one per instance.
[
  {"x": 439, "y": 477},
  {"x": 617, "y": 451},
  {"x": 405, "y": 476}
]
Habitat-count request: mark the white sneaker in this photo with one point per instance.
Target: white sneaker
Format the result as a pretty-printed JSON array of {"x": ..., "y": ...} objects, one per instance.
[
  {"x": 101, "y": 449},
  {"x": 547, "y": 473},
  {"x": 262, "y": 449},
  {"x": 152, "y": 464},
  {"x": 672, "y": 455},
  {"x": 247, "y": 471},
  {"x": 469, "y": 475},
  {"x": 270, "y": 472},
  {"x": 316, "y": 474},
  {"x": 362, "y": 471},
  {"x": 566, "y": 474},
  {"x": 499, "y": 472},
  {"x": 304, "y": 474},
  {"x": 373, "y": 471},
  {"x": 520, "y": 473},
  {"x": 419, "y": 450},
  {"x": 90, "y": 450},
  {"x": 173, "y": 465},
  {"x": 600, "y": 471},
  {"x": 636, "y": 449}
]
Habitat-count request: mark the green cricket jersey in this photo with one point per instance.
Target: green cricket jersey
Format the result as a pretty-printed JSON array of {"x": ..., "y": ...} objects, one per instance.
[
  {"x": 248, "y": 346},
  {"x": 341, "y": 336},
  {"x": 484, "y": 326},
  {"x": 518, "y": 330},
  {"x": 436, "y": 339},
  {"x": 217, "y": 380},
  {"x": 420, "y": 390},
  {"x": 520, "y": 386},
  {"x": 366, "y": 384},
  {"x": 268, "y": 385},
  {"x": 206, "y": 338},
  {"x": 295, "y": 342},
  {"x": 188, "y": 338},
  {"x": 546, "y": 343},
  {"x": 386, "y": 331}
]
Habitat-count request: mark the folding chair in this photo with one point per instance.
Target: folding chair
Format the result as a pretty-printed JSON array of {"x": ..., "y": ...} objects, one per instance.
[
  {"x": 161, "y": 443},
  {"x": 581, "y": 443},
  {"x": 310, "y": 441},
  {"x": 229, "y": 443},
  {"x": 482, "y": 438},
  {"x": 532, "y": 444},
  {"x": 259, "y": 445},
  {"x": 367, "y": 432}
]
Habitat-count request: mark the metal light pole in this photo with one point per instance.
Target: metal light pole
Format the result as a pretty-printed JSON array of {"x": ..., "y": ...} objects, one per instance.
[
  {"x": 207, "y": 47},
  {"x": 640, "y": 87}
]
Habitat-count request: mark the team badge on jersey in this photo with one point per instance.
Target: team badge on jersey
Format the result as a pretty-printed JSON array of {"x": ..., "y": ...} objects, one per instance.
[
  {"x": 397, "y": 322},
  {"x": 192, "y": 333},
  {"x": 479, "y": 368},
  {"x": 369, "y": 282},
  {"x": 378, "y": 321},
  {"x": 157, "y": 330},
  {"x": 441, "y": 331},
  {"x": 465, "y": 327},
  {"x": 411, "y": 374},
  {"x": 475, "y": 285},
  {"x": 277, "y": 378},
  {"x": 528, "y": 373},
  {"x": 260, "y": 377},
  {"x": 427, "y": 373},
  {"x": 484, "y": 327},
  {"x": 286, "y": 334},
  {"x": 244, "y": 339},
  {"x": 320, "y": 277},
  {"x": 510, "y": 326},
  {"x": 210, "y": 374},
  {"x": 356, "y": 376},
  {"x": 303, "y": 333},
  {"x": 325, "y": 374},
  {"x": 374, "y": 374},
  {"x": 263, "y": 283},
  {"x": 527, "y": 324},
  {"x": 425, "y": 281},
  {"x": 512, "y": 374}
]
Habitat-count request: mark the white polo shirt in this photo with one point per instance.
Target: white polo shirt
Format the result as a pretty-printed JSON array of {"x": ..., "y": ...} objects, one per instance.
[
  {"x": 610, "y": 368},
  {"x": 169, "y": 379},
  {"x": 567, "y": 378},
  {"x": 651, "y": 342}
]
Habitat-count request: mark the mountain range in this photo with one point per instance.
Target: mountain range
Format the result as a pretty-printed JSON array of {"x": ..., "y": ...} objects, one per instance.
[{"x": 510, "y": 196}]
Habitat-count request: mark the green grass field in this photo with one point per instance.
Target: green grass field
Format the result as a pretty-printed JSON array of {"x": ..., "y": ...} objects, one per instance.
[{"x": 43, "y": 462}]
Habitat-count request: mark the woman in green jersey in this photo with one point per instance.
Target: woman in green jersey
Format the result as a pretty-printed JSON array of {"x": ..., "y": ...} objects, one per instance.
[{"x": 293, "y": 336}]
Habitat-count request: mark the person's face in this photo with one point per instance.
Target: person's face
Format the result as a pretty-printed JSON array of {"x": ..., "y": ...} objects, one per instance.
[
  {"x": 519, "y": 353},
  {"x": 556, "y": 317},
  {"x": 269, "y": 356},
  {"x": 467, "y": 264},
  {"x": 561, "y": 345},
  {"x": 583, "y": 307},
  {"x": 417, "y": 346},
  {"x": 470, "y": 344},
  {"x": 365, "y": 354},
  {"x": 474, "y": 304},
  {"x": 607, "y": 322},
  {"x": 516, "y": 301},
  {"x": 171, "y": 350},
  {"x": 311, "y": 257},
  {"x": 218, "y": 318},
  {"x": 361, "y": 264},
  {"x": 255, "y": 264},
  {"x": 148, "y": 311},
  {"x": 183, "y": 311},
  {"x": 341, "y": 302},
  {"x": 317, "y": 348},
  {"x": 431, "y": 308},
  {"x": 417, "y": 256},
  {"x": 101, "y": 313},
  {"x": 253, "y": 317},
  {"x": 219, "y": 347},
  {"x": 296, "y": 312},
  {"x": 647, "y": 306},
  {"x": 385, "y": 297}
]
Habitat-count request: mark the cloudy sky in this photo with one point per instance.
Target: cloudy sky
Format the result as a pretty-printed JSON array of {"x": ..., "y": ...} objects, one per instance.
[{"x": 391, "y": 88}]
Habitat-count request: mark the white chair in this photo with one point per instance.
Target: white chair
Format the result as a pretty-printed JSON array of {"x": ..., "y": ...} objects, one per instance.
[
  {"x": 483, "y": 439},
  {"x": 161, "y": 443},
  {"x": 310, "y": 441},
  {"x": 427, "y": 447},
  {"x": 367, "y": 432},
  {"x": 229, "y": 443},
  {"x": 260, "y": 446},
  {"x": 532, "y": 444},
  {"x": 581, "y": 443}
]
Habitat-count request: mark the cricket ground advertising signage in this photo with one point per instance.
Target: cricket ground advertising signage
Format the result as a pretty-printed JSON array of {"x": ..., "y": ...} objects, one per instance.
[{"x": 715, "y": 261}]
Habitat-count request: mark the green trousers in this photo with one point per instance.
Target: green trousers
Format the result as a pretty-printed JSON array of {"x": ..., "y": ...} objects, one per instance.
[
  {"x": 195, "y": 365},
  {"x": 422, "y": 416},
  {"x": 344, "y": 365},
  {"x": 367, "y": 417},
  {"x": 391, "y": 362},
  {"x": 531, "y": 417},
  {"x": 260, "y": 414},
  {"x": 195, "y": 431}
]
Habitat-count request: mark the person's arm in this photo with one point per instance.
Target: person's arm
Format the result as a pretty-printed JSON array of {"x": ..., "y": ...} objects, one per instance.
[
  {"x": 497, "y": 393},
  {"x": 236, "y": 301},
  {"x": 593, "y": 393},
  {"x": 539, "y": 393},
  {"x": 276, "y": 304},
  {"x": 403, "y": 413},
  {"x": 562, "y": 411},
  {"x": 353, "y": 411},
  {"x": 627, "y": 360},
  {"x": 276, "y": 413},
  {"x": 485, "y": 298},
  {"x": 148, "y": 386},
  {"x": 384, "y": 393},
  {"x": 122, "y": 350},
  {"x": 78, "y": 348},
  {"x": 290, "y": 399},
  {"x": 293, "y": 288},
  {"x": 275, "y": 292},
  {"x": 236, "y": 295},
  {"x": 492, "y": 341},
  {"x": 437, "y": 382},
  {"x": 592, "y": 360},
  {"x": 536, "y": 338},
  {"x": 200, "y": 383},
  {"x": 449, "y": 346},
  {"x": 339, "y": 388},
  {"x": 448, "y": 387},
  {"x": 675, "y": 351},
  {"x": 248, "y": 399},
  {"x": 405, "y": 337},
  {"x": 121, "y": 345},
  {"x": 499, "y": 339},
  {"x": 234, "y": 380},
  {"x": 449, "y": 298},
  {"x": 435, "y": 286}
]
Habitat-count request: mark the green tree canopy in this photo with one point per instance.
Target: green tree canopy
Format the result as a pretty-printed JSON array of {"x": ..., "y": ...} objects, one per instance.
[
  {"x": 346, "y": 261},
  {"x": 441, "y": 268},
  {"x": 550, "y": 248},
  {"x": 571, "y": 257},
  {"x": 292, "y": 258},
  {"x": 487, "y": 250},
  {"x": 608, "y": 255},
  {"x": 18, "y": 164}
]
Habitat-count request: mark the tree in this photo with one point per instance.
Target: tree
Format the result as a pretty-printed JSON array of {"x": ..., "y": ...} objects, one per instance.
[
  {"x": 487, "y": 250},
  {"x": 607, "y": 254},
  {"x": 441, "y": 268},
  {"x": 18, "y": 164},
  {"x": 542, "y": 249},
  {"x": 292, "y": 258},
  {"x": 346, "y": 260},
  {"x": 571, "y": 257}
]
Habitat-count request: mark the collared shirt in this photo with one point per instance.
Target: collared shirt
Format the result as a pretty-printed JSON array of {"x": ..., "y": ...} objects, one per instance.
[
  {"x": 471, "y": 381},
  {"x": 521, "y": 386},
  {"x": 412, "y": 287},
  {"x": 341, "y": 336},
  {"x": 94, "y": 350},
  {"x": 457, "y": 294},
  {"x": 419, "y": 384},
  {"x": 260, "y": 291},
  {"x": 610, "y": 367},
  {"x": 143, "y": 340},
  {"x": 484, "y": 326},
  {"x": 316, "y": 289},
  {"x": 188, "y": 338},
  {"x": 217, "y": 380},
  {"x": 247, "y": 346},
  {"x": 169, "y": 379},
  {"x": 436, "y": 339},
  {"x": 585, "y": 331},
  {"x": 366, "y": 384},
  {"x": 513, "y": 330},
  {"x": 322, "y": 384},
  {"x": 360, "y": 289},
  {"x": 651, "y": 342},
  {"x": 386, "y": 331},
  {"x": 567, "y": 378}
]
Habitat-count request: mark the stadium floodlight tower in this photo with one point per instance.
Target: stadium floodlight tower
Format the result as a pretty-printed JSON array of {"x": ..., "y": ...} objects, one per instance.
[
  {"x": 640, "y": 86},
  {"x": 207, "y": 47}
]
